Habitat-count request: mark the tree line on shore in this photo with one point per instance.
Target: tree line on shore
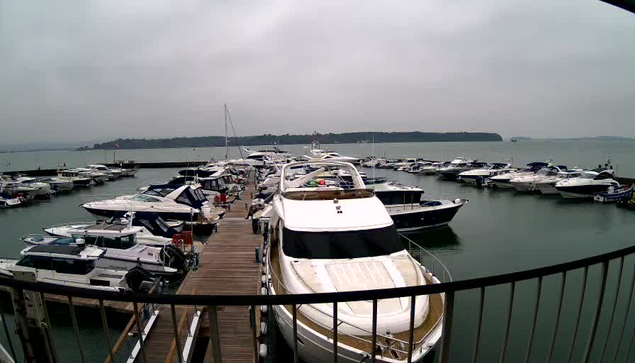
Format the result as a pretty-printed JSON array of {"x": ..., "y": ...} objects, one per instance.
[{"x": 286, "y": 139}]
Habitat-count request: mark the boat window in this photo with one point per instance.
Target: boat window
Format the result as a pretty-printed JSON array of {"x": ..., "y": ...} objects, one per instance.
[
  {"x": 34, "y": 262},
  {"x": 337, "y": 245},
  {"x": 145, "y": 198},
  {"x": 75, "y": 267}
]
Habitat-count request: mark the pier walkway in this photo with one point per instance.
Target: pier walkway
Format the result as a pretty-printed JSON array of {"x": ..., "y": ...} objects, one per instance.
[{"x": 227, "y": 266}]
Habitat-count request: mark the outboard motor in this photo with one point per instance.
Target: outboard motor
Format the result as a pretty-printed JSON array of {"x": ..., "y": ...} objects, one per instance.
[
  {"x": 173, "y": 257},
  {"x": 139, "y": 279}
]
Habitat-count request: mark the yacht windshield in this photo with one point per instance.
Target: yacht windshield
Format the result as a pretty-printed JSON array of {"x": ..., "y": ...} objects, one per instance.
[
  {"x": 145, "y": 198},
  {"x": 340, "y": 245}
]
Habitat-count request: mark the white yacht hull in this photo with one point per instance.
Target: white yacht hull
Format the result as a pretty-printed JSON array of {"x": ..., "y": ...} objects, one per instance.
[
  {"x": 523, "y": 186},
  {"x": 315, "y": 347},
  {"x": 547, "y": 189}
]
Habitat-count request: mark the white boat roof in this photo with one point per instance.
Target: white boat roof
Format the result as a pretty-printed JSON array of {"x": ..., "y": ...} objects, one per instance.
[
  {"x": 322, "y": 215},
  {"x": 70, "y": 252}
]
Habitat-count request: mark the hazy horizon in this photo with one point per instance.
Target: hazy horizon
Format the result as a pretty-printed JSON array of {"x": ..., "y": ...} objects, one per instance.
[{"x": 99, "y": 71}]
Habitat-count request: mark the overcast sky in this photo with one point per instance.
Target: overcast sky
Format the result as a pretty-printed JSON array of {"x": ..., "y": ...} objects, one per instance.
[{"x": 89, "y": 70}]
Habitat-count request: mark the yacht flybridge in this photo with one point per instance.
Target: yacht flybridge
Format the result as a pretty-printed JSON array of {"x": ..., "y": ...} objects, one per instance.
[{"x": 330, "y": 235}]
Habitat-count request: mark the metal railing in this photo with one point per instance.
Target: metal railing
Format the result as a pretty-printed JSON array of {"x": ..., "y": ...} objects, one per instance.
[{"x": 29, "y": 333}]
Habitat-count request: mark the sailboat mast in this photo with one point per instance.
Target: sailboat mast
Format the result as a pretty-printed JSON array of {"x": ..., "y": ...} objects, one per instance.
[{"x": 226, "y": 143}]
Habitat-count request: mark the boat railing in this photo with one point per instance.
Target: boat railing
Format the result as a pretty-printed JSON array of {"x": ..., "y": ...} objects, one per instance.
[{"x": 576, "y": 298}]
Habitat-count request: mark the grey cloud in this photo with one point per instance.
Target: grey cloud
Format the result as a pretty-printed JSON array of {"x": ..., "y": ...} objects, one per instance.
[{"x": 99, "y": 70}]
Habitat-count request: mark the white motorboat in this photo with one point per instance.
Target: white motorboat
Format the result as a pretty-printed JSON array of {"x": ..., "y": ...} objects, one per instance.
[
  {"x": 588, "y": 184},
  {"x": 479, "y": 176},
  {"x": 80, "y": 180},
  {"x": 123, "y": 252},
  {"x": 404, "y": 164},
  {"x": 330, "y": 236},
  {"x": 43, "y": 190},
  {"x": 60, "y": 184},
  {"x": 503, "y": 181},
  {"x": 433, "y": 168},
  {"x": 459, "y": 165},
  {"x": 528, "y": 183},
  {"x": 111, "y": 173},
  {"x": 97, "y": 177},
  {"x": 152, "y": 229},
  {"x": 547, "y": 185},
  {"x": 7, "y": 201},
  {"x": 73, "y": 265},
  {"x": 274, "y": 153},
  {"x": 16, "y": 188},
  {"x": 183, "y": 203},
  {"x": 333, "y": 156}
]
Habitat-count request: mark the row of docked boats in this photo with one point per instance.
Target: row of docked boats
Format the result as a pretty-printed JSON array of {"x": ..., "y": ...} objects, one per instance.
[
  {"x": 537, "y": 177},
  {"x": 138, "y": 239},
  {"x": 18, "y": 190},
  {"x": 328, "y": 229}
]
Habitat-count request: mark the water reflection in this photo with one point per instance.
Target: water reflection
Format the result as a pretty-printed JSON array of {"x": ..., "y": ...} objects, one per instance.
[{"x": 436, "y": 238}]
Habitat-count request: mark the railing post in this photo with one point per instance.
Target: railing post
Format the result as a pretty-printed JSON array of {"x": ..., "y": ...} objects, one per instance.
[
  {"x": 577, "y": 323},
  {"x": 626, "y": 315},
  {"x": 617, "y": 295},
  {"x": 76, "y": 329},
  {"x": 598, "y": 311},
  {"x": 140, "y": 332},
  {"x": 335, "y": 331},
  {"x": 533, "y": 325},
  {"x": 177, "y": 338},
  {"x": 411, "y": 332},
  {"x": 447, "y": 327},
  {"x": 374, "y": 348},
  {"x": 296, "y": 356},
  {"x": 509, "y": 320},
  {"x": 212, "y": 314},
  {"x": 555, "y": 330},
  {"x": 477, "y": 340}
]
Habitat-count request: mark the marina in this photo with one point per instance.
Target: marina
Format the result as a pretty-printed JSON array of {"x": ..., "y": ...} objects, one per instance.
[{"x": 227, "y": 264}]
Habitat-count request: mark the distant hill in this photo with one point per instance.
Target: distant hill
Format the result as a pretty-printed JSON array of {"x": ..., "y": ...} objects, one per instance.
[{"x": 269, "y": 139}]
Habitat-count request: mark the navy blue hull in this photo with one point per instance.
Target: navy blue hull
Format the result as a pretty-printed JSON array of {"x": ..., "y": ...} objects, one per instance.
[
  {"x": 120, "y": 214},
  {"x": 424, "y": 218}
]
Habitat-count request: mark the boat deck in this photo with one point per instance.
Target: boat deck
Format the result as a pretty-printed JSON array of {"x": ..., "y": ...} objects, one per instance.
[
  {"x": 364, "y": 343},
  {"x": 227, "y": 266}
]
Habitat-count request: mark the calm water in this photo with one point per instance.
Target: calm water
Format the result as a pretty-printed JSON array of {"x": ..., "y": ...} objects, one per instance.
[
  {"x": 496, "y": 232},
  {"x": 571, "y": 153}
]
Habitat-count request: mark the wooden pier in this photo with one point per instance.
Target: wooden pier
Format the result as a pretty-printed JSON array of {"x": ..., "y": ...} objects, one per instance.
[{"x": 227, "y": 266}]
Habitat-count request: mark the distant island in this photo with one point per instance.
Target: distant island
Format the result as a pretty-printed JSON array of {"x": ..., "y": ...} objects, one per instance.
[{"x": 286, "y": 139}]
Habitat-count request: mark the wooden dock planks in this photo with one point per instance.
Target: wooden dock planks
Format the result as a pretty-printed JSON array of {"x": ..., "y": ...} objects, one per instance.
[{"x": 227, "y": 266}]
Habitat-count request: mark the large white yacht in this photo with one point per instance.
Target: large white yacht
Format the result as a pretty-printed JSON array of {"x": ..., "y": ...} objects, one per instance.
[
  {"x": 330, "y": 236},
  {"x": 479, "y": 176},
  {"x": 503, "y": 181}
]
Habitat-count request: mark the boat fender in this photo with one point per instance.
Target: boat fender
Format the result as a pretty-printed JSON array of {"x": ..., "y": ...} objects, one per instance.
[
  {"x": 263, "y": 328},
  {"x": 457, "y": 201},
  {"x": 263, "y": 350},
  {"x": 263, "y": 278},
  {"x": 263, "y": 309},
  {"x": 263, "y": 291}
]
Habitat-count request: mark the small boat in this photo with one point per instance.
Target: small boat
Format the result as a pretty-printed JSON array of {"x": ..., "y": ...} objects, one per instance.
[
  {"x": 74, "y": 265},
  {"x": 153, "y": 230},
  {"x": 613, "y": 195},
  {"x": 459, "y": 165},
  {"x": 547, "y": 186},
  {"x": 80, "y": 180},
  {"x": 97, "y": 177},
  {"x": 410, "y": 212},
  {"x": 111, "y": 173},
  {"x": 43, "y": 190},
  {"x": 7, "y": 201},
  {"x": 527, "y": 183},
  {"x": 122, "y": 250},
  {"x": 480, "y": 176},
  {"x": 588, "y": 184},
  {"x": 503, "y": 181},
  {"x": 59, "y": 184},
  {"x": 433, "y": 168},
  {"x": 183, "y": 203}
]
